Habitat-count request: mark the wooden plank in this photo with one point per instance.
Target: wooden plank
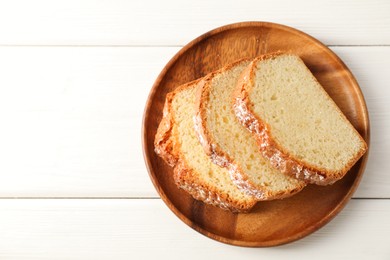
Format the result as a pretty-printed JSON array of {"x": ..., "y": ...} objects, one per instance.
[
  {"x": 369, "y": 72},
  {"x": 71, "y": 119},
  {"x": 153, "y": 22},
  {"x": 134, "y": 229}
]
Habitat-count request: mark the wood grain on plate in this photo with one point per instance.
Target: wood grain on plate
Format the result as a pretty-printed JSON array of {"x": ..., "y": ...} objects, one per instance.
[{"x": 274, "y": 222}]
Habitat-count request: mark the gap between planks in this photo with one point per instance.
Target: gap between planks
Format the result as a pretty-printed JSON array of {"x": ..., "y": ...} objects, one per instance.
[
  {"x": 156, "y": 46},
  {"x": 124, "y": 198}
]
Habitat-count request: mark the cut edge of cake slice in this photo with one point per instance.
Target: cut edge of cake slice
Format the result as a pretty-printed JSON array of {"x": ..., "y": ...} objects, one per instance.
[
  {"x": 278, "y": 155},
  {"x": 168, "y": 147},
  {"x": 260, "y": 183}
]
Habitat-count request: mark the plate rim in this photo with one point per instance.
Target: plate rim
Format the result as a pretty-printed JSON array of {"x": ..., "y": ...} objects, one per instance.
[{"x": 308, "y": 230}]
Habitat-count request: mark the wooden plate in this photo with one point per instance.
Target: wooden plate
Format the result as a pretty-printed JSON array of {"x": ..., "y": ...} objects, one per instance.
[{"x": 274, "y": 222}]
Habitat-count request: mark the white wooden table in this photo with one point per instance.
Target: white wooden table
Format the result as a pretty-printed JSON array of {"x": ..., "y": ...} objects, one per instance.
[{"x": 74, "y": 78}]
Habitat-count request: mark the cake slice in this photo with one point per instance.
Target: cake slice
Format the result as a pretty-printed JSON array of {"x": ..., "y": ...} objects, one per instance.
[
  {"x": 299, "y": 128},
  {"x": 194, "y": 172},
  {"x": 231, "y": 145}
]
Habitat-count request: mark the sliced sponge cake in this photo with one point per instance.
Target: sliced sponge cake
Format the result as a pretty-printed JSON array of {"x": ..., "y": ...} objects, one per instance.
[
  {"x": 298, "y": 126},
  {"x": 231, "y": 145},
  {"x": 194, "y": 172}
]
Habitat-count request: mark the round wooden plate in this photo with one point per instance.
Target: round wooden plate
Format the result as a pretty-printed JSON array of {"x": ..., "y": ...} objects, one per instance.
[{"x": 274, "y": 222}]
